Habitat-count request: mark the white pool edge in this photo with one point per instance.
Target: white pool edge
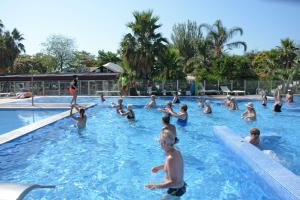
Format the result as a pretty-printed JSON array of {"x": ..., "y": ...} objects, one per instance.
[
  {"x": 11, "y": 135},
  {"x": 282, "y": 181}
]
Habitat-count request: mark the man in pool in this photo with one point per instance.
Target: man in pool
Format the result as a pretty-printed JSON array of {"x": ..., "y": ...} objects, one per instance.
[
  {"x": 289, "y": 98},
  {"x": 118, "y": 106},
  {"x": 130, "y": 114},
  {"x": 168, "y": 126},
  {"x": 254, "y": 136},
  {"x": 173, "y": 167},
  {"x": 81, "y": 120}
]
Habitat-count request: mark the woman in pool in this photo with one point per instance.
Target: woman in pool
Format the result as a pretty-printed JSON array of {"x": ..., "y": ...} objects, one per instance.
[
  {"x": 152, "y": 102},
  {"x": 118, "y": 106},
  {"x": 207, "y": 108},
  {"x": 168, "y": 126},
  {"x": 264, "y": 100},
  {"x": 173, "y": 167},
  {"x": 200, "y": 102},
  {"x": 73, "y": 89},
  {"x": 175, "y": 98},
  {"x": 289, "y": 98},
  {"x": 233, "y": 105},
  {"x": 130, "y": 114},
  {"x": 182, "y": 115},
  {"x": 102, "y": 99},
  {"x": 168, "y": 108},
  {"x": 250, "y": 113},
  {"x": 81, "y": 120}
]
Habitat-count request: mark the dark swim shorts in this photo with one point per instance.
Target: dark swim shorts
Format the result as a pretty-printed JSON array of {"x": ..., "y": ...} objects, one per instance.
[{"x": 177, "y": 191}]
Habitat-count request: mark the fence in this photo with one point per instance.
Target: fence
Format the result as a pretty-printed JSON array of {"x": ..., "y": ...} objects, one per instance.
[{"x": 184, "y": 87}]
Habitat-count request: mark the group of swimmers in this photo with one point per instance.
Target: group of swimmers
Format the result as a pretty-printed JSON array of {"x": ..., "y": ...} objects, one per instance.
[{"x": 173, "y": 165}]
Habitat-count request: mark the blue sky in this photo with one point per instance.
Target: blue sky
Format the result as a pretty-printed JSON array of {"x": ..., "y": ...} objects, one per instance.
[{"x": 98, "y": 24}]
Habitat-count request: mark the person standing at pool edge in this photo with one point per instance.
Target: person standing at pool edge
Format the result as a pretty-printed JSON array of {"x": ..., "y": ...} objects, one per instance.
[
  {"x": 173, "y": 167},
  {"x": 73, "y": 89}
]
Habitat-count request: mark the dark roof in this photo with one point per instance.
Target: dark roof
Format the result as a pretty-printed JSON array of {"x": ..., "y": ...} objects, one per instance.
[{"x": 42, "y": 77}]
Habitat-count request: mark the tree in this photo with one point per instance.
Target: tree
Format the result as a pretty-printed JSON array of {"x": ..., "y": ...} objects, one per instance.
[
  {"x": 288, "y": 53},
  {"x": 170, "y": 65},
  {"x": 105, "y": 57},
  {"x": 39, "y": 63},
  {"x": 184, "y": 37},
  {"x": 60, "y": 47},
  {"x": 220, "y": 36},
  {"x": 10, "y": 47},
  {"x": 141, "y": 48},
  {"x": 82, "y": 59}
]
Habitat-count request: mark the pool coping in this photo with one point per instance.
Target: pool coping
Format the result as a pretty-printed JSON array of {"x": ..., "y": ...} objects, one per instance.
[
  {"x": 14, "y": 134},
  {"x": 282, "y": 181}
]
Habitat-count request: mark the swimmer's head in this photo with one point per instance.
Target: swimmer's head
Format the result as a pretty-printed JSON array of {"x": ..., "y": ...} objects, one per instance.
[
  {"x": 153, "y": 97},
  {"x": 207, "y": 102},
  {"x": 169, "y": 104},
  {"x": 175, "y": 94},
  {"x": 250, "y": 105},
  {"x": 228, "y": 97},
  {"x": 129, "y": 106},
  {"x": 81, "y": 111},
  {"x": 183, "y": 107},
  {"x": 255, "y": 132},
  {"x": 167, "y": 139},
  {"x": 166, "y": 119},
  {"x": 120, "y": 101},
  {"x": 199, "y": 99}
]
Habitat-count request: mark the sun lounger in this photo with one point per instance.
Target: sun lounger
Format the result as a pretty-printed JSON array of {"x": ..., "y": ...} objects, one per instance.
[
  {"x": 9, "y": 191},
  {"x": 227, "y": 91},
  {"x": 204, "y": 91},
  {"x": 108, "y": 92},
  {"x": 5, "y": 94}
]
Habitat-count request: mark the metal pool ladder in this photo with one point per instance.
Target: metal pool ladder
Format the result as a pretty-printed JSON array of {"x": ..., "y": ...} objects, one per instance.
[{"x": 16, "y": 191}]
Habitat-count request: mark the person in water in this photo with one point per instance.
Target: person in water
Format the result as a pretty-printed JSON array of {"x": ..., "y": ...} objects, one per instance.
[
  {"x": 73, "y": 89},
  {"x": 254, "y": 136},
  {"x": 227, "y": 100},
  {"x": 200, "y": 102},
  {"x": 102, "y": 99},
  {"x": 152, "y": 102},
  {"x": 81, "y": 120},
  {"x": 182, "y": 115},
  {"x": 173, "y": 167},
  {"x": 168, "y": 126},
  {"x": 130, "y": 114},
  {"x": 207, "y": 108},
  {"x": 250, "y": 113},
  {"x": 264, "y": 100},
  {"x": 168, "y": 108},
  {"x": 289, "y": 98},
  {"x": 118, "y": 106},
  {"x": 175, "y": 98},
  {"x": 233, "y": 105},
  {"x": 277, "y": 106}
]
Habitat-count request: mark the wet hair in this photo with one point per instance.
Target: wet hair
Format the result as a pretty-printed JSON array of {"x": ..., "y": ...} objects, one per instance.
[
  {"x": 166, "y": 119},
  {"x": 120, "y": 100},
  {"x": 168, "y": 137},
  {"x": 254, "y": 131},
  {"x": 81, "y": 111},
  {"x": 184, "y": 107}
]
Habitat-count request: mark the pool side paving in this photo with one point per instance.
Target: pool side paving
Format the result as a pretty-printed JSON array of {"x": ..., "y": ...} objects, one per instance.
[
  {"x": 9, "y": 136},
  {"x": 282, "y": 181}
]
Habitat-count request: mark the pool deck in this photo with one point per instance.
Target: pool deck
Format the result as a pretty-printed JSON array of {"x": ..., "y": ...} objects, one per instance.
[
  {"x": 9, "y": 136},
  {"x": 38, "y": 105}
]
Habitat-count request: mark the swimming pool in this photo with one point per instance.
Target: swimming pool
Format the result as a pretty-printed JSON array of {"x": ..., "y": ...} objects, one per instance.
[
  {"x": 15, "y": 118},
  {"x": 112, "y": 158}
]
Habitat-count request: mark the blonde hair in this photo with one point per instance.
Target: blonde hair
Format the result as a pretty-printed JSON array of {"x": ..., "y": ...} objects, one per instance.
[{"x": 168, "y": 137}]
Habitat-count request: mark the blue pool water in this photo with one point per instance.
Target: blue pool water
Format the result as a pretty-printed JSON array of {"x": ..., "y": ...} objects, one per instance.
[
  {"x": 13, "y": 119},
  {"x": 112, "y": 158}
]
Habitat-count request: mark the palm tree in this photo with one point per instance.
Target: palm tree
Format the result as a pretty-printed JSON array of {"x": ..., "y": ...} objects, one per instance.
[
  {"x": 1, "y": 27},
  {"x": 141, "y": 49},
  {"x": 221, "y": 36},
  {"x": 10, "y": 48},
  {"x": 288, "y": 53}
]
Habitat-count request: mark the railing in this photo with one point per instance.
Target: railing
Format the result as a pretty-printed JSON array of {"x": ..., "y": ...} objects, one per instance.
[{"x": 184, "y": 87}]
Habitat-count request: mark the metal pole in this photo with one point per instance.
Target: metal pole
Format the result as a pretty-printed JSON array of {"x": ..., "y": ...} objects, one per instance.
[{"x": 32, "y": 103}]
